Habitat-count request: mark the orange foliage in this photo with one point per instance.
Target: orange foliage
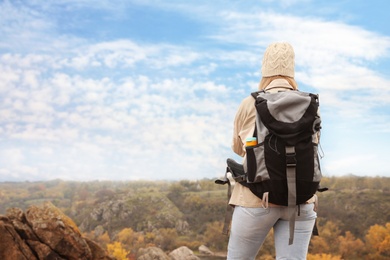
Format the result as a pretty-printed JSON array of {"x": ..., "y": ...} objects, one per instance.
[
  {"x": 378, "y": 241},
  {"x": 350, "y": 247},
  {"x": 117, "y": 251},
  {"x": 322, "y": 257}
]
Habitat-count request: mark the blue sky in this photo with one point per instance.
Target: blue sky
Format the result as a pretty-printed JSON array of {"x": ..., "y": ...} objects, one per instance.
[{"x": 146, "y": 89}]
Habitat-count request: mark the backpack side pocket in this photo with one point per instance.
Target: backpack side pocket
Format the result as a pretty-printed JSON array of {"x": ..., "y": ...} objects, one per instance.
[{"x": 255, "y": 164}]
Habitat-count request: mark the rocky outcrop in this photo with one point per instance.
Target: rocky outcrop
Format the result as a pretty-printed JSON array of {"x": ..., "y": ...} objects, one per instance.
[
  {"x": 155, "y": 253},
  {"x": 12, "y": 246},
  {"x": 44, "y": 232},
  {"x": 183, "y": 253},
  {"x": 139, "y": 212},
  {"x": 204, "y": 250}
]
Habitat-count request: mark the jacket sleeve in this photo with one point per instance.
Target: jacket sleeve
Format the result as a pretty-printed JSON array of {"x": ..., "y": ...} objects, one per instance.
[{"x": 244, "y": 125}]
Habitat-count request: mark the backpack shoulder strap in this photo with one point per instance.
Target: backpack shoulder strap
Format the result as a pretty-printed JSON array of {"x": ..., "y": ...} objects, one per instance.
[
  {"x": 291, "y": 187},
  {"x": 256, "y": 93}
]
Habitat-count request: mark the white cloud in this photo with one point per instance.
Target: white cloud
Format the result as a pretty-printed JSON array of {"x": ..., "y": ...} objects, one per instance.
[
  {"x": 135, "y": 119},
  {"x": 23, "y": 27},
  {"x": 335, "y": 58},
  {"x": 333, "y": 41},
  {"x": 11, "y": 156},
  {"x": 124, "y": 109}
]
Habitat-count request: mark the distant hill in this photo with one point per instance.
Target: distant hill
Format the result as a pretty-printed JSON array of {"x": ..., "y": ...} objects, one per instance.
[{"x": 193, "y": 210}]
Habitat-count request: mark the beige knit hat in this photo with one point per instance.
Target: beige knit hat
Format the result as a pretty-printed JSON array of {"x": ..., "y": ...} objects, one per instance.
[{"x": 278, "y": 60}]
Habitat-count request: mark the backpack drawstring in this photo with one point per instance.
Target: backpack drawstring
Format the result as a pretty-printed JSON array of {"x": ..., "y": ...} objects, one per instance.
[
  {"x": 275, "y": 148},
  {"x": 320, "y": 151},
  {"x": 264, "y": 201},
  {"x": 315, "y": 202}
]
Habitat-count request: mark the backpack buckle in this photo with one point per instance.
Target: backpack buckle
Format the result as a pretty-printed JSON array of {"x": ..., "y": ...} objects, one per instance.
[
  {"x": 240, "y": 178},
  {"x": 291, "y": 161}
]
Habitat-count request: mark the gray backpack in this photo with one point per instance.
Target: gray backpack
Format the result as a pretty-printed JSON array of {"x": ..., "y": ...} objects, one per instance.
[{"x": 283, "y": 167}]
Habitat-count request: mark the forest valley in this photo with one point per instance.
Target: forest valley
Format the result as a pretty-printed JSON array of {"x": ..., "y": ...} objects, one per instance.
[{"x": 353, "y": 216}]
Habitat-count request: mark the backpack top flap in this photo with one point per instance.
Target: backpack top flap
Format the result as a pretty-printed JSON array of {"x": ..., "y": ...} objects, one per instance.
[{"x": 289, "y": 115}]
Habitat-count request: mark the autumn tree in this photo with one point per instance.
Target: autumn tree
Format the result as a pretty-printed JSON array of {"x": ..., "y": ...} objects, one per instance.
[
  {"x": 351, "y": 247},
  {"x": 126, "y": 236},
  {"x": 103, "y": 239},
  {"x": 214, "y": 237},
  {"x": 132, "y": 241},
  {"x": 325, "y": 242},
  {"x": 378, "y": 242},
  {"x": 195, "y": 201},
  {"x": 166, "y": 238},
  {"x": 117, "y": 251},
  {"x": 149, "y": 238},
  {"x": 322, "y": 257}
]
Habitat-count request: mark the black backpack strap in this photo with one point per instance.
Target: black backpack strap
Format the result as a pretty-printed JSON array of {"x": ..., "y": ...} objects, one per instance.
[
  {"x": 229, "y": 208},
  {"x": 228, "y": 214},
  {"x": 256, "y": 93},
  {"x": 315, "y": 229},
  {"x": 238, "y": 174}
]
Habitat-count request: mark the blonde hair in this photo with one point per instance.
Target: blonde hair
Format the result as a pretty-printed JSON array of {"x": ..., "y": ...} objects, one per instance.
[{"x": 265, "y": 81}]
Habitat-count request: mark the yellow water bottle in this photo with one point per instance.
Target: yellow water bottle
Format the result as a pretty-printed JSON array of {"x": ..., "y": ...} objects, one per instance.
[{"x": 251, "y": 141}]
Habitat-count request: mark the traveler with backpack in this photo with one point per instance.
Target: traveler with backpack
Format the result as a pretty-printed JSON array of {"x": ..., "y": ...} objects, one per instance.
[{"x": 255, "y": 213}]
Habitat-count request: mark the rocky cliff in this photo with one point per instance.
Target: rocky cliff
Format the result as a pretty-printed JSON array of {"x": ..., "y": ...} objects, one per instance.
[{"x": 44, "y": 232}]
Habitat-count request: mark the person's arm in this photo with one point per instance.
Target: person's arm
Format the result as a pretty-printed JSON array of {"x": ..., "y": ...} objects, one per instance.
[
  {"x": 237, "y": 143},
  {"x": 244, "y": 125}
]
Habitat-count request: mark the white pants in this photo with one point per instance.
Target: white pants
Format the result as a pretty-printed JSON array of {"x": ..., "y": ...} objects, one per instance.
[{"x": 250, "y": 227}]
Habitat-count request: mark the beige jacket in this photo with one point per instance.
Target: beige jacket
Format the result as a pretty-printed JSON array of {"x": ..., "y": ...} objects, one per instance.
[{"x": 244, "y": 126}]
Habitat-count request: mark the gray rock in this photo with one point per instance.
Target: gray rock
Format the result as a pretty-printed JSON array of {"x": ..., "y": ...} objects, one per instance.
[
  {"x": 152, "y": 253},
  {"x": 204, "y": 250},
  {"x": 183, "y": 253}
]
